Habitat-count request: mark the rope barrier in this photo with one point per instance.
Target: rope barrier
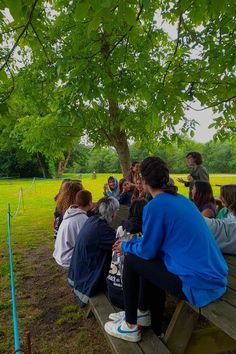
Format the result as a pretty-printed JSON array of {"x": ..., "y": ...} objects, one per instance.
[
  {"x": 14, "y": 311},
  {"x": 20, "y": 198}
]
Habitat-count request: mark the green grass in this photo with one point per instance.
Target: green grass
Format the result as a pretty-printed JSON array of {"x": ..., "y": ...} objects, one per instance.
[{"x": 32, "y": 227}]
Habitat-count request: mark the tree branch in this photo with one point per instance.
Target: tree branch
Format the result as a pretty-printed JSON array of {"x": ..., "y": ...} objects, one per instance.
[
  {"x": 7, "y": 57},
  {"x": 11, "y": 30},
  {"x": 126, "y": 34},
  {"x": 176, "y": 48},
  {"x": 212, "y": 105},
  {"x": 41, "y": 43},
  {"x": 12, "y": 88}
]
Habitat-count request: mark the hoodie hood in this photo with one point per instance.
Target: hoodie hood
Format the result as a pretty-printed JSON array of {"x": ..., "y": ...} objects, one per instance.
[{"x": 73, "y": 211}]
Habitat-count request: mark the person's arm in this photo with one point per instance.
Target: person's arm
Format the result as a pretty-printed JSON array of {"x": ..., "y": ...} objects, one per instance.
[
  {"x": 208, "y": 213},
  {"x": 147, "y": 247}
]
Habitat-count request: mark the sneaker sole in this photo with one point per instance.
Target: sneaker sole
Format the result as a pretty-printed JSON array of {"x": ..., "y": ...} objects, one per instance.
[{"x": 120, "y": 336}]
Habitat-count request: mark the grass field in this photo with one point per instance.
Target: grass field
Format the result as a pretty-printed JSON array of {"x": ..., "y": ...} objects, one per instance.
[{"x": 45, "y": 303}]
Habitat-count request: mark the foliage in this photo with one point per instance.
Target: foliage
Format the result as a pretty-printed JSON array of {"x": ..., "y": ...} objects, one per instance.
[{"x": 108, "y": 69}]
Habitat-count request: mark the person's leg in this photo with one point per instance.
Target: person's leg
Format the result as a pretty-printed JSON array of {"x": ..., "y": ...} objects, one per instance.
[{"x": 157, "y": 280}]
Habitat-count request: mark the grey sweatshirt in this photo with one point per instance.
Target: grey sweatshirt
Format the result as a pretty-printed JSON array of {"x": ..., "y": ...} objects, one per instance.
[{"x": 224, "y": 231}]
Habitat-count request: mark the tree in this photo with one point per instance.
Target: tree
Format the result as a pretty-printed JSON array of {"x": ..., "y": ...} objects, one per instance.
[{"x": 116, "y": 73}]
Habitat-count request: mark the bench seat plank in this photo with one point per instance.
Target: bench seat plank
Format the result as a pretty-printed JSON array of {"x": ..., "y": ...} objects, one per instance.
[
  {"x": 223, "y": 315},
  {"x": 150, "y": 343}
]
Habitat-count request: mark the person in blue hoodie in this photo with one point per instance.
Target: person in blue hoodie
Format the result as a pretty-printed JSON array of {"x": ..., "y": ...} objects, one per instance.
[
  {"x": 111, "y": 188},
  {"x": 91, "y": 257},
  {"x": 177, "y": 254}
]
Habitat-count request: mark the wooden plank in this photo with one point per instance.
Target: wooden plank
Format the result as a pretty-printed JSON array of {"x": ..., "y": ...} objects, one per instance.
[
  {"x": 101, "y": 308},
  {"x": 230, "y": 297},
  {"x": 152, "y": 344},
  {"x": 223, "y": 315},
  {"x": 149, "y": 344},
  {"x": 185, "y": 318},
  {"x": 230, "y": 259}
]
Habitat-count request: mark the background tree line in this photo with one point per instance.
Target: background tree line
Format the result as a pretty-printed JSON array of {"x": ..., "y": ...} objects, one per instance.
[{"x": 218, "y": 158}]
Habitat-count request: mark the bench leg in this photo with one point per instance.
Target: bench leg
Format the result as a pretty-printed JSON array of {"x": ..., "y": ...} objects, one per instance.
[
  {"x": 180, "y": 328},
  {"x": 89, "y": 311}
]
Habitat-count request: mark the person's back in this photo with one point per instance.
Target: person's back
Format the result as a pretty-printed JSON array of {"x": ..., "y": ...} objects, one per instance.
[
  {"x": 92, "y": 253},
  {"x": 73, "y": 220},
  {"x": 181, "y": 238},
  {"x": 224, "y": 231}
]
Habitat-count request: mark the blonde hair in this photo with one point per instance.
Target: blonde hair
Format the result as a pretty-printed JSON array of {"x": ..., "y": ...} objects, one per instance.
[{"x": 228, "y": 194}]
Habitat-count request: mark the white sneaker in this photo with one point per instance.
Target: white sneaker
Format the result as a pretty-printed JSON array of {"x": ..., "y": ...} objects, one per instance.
[
  {"x": 143, "y": 318},
  {"x": 121, "y": 330}
]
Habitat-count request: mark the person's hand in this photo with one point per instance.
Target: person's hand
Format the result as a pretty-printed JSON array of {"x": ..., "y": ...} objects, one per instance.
[
  {"x": 105, "y": 187},
  {"x": 179, "y": 179},
  {"x": 117, "y": 247},
  {"x": 189, "y": 178}
]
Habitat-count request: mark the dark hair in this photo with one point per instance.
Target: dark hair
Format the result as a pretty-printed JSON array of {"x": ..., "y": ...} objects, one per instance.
[
  {"x": 134, "y": 163},
  {"x": 228, "y": 192},
  {"x": 156, "y": 174},
  {"x": 111, "y": 178},
  {"x": 204, "y": 194},
  {"x": 134, "y": 222},
  {"x": 196, "y": 155},
  {"x": 83, "y": 198},
  {"x": 121, "y": 182}
]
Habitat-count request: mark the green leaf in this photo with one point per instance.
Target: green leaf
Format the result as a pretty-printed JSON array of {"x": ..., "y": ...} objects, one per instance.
[
  {"x": 130, "y": 16},
  {"x": 15, "y": 7},
  {"x": 93, "y": 25},
  {"x": 3, "y": 75},
  {"x": 81, "y": 10}
]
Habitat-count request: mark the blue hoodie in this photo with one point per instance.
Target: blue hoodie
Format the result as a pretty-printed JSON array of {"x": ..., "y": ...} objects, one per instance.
[
  {"x": 114, "y": 192},
  {"x": 175, "y": 231}
]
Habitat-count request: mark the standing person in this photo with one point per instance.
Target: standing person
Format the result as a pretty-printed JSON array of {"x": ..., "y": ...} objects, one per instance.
[
  {"x": 91, "y": 258},
  {"x": 111, "y": 188},
  {"x": 177, "y": 254},
  {"x": 228, "y": 198},
  {"x": 133, "y": 174},
  {"x": 73, "y": 220},
  {"x": 202, "y": 196},
  {"x": 198, "y": 171}
]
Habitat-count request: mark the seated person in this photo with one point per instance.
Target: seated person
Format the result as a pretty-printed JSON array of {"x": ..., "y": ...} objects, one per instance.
[
  {"x": 73, "y": 220},
  {"x": 177, "y": 254},
  {"x": 91, "y": 258},
  {"x": 224, "y": 231},
  {"x": 125, "y": 194},
  {"x": 111, "y": 188},
  {"x": 133, "y": 174},
  {"x": 138, "y": 192},
  {"x": 228, "y": 198},
  {"x": 129, "y": 227},
  {"x": 202, "y": 196},
  {"x": 65, "y": 198}
]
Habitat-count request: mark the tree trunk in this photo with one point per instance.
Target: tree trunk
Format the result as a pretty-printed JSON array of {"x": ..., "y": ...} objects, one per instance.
[
  {"x": 119, "y": 141},
  {"x": 41, "y": 164},
  {"x": 62, "y": 165}
]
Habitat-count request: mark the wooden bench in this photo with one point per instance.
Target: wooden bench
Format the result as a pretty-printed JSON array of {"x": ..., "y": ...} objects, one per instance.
[{"x": 180, "y": 336}]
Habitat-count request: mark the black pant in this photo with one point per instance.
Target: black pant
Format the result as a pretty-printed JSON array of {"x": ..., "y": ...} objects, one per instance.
[{"x": 155, "y": 281}]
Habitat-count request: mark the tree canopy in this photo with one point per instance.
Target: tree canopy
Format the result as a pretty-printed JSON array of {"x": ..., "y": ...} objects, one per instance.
[{"x": 109, "y": 70}]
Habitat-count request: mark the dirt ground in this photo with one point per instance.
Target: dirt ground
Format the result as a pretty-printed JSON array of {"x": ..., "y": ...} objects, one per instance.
[{"x": 46, "y": 307}]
